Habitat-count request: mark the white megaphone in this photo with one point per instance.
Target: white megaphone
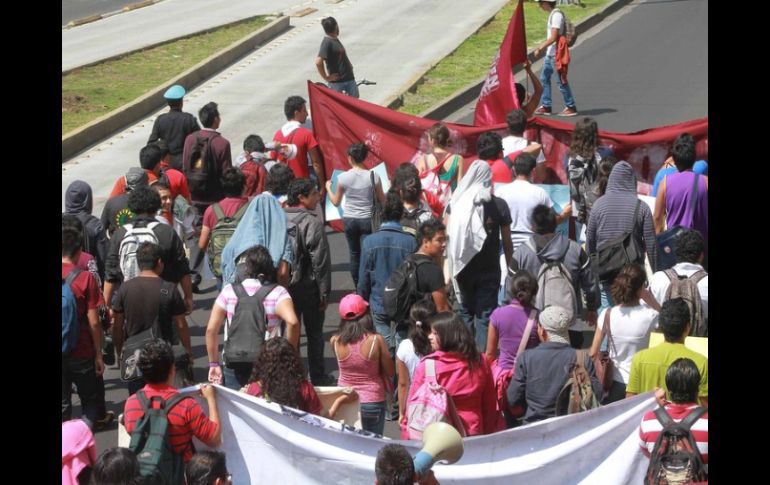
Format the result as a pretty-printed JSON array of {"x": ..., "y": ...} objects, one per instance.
[{"x": 440, "y": 442}]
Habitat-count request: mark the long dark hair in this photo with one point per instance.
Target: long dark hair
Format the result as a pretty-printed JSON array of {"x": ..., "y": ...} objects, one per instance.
[
  {"x": 585, "y": 138},
  {"x": 454, "y": 336},
  {"x": 422, "y": 310},
  {"x": 279, "y": 370},
  {"x": 355, "y": 329}
]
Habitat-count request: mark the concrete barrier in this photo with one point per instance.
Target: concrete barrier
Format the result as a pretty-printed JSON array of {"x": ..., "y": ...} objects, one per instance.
[
  {"x": 470, "y": 92},
  {"x": 81, "y": 138}
]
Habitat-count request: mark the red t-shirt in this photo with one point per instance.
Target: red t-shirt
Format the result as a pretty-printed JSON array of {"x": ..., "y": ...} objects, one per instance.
[
  {"x": 229, "y": 205},
  {"x": 88, "y": 297},
  {"x": 305, "y": 141},
  {"x": 177, "y": 182},
  {"x": 500, "y": 171},
  {"x": 186, "y": 419},
  {"x": 309, "y": 401},
  {"x": 120, "y": 184},
  {"x": 255, "y": 178}
]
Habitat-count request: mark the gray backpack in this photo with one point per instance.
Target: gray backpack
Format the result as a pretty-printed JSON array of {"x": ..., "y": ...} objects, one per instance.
[
  {"x": 130, "y": 243},
  {"x": 246, "y": 332},
  {"x": 687, "y": 288},
  {"x": 555, "y": 286}
]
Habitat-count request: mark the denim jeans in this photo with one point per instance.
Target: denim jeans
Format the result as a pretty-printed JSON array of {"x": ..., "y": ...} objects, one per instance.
[
  {"x": 355, "y": 231},
  {"x": 306, "y": 301},
  {"x": 606, "y": 302},
  {"x": 373, "y": 416},
  {"x": 82, "y": 372},
  {"x": 545, "y": 79},
  {"x": 237, "y": 376},
  {"x": 348, "y": 87},
  {"x": 478, "y": 292}
]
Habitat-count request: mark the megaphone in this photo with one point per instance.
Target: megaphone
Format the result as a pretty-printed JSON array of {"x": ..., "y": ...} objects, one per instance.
[{"x": 440, "y": 442}]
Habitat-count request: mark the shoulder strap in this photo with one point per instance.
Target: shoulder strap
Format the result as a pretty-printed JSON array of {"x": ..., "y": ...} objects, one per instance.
[
  {"x": 173, "y": 401},
  {"x": 527, "y": 331},
  {"x": 694, "y": 195},
  {"x": 691, "y": 418},
  {"x": 374, "y": 187},
  {"x": 430, "y": 370},
  {"x": 698, "y": 275},
  {"x": 636, "y": 212},
  {"x": 608, "y": 331},
  {"x": 671, "y": 274},
  {"x": 218, "y": 212},
  {"x": 508, "y": 162},
  {"x": 71, "y": 276},
  {"x": 239, "y": 291},
  {"x": 143, "y": 401},
  {"x": 264, "y": 291},
  {"x": 371, "y": 349},
  {"x": 241, "y": 210},
  {"x": 662, "y": 415}
]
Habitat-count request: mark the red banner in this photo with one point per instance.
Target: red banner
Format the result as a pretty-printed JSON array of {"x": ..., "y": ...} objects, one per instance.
[
  {"x": 498, "y": 94},
  {"x": 393, "y": 137}
]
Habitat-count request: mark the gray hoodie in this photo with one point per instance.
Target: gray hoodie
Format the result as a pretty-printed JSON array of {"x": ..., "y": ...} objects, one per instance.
[
  {"x": 78, "y": 201},
  {"x": 314, "y": 234},
  {"x": 613, "y": 215}
]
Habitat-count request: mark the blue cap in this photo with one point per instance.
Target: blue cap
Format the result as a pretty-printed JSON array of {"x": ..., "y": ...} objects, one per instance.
[
  {"x": 174, "y": 92},
  {"x": 701, "y": 167}
]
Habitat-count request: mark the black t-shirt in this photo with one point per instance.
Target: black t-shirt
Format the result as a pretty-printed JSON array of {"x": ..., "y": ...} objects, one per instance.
[
  {"x": 429, "y": 276},
  {"x": 116, "y": 213},
  {"x": 143, "y": 300},
  {"x": 333, "y": 52},
  {"x": 496, "y": 214}
]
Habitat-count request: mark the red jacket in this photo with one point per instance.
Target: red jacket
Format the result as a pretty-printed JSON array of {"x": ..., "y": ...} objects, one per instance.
[
  {"x": 473, "y": 392},
  {"x": 562, "y": 58}
]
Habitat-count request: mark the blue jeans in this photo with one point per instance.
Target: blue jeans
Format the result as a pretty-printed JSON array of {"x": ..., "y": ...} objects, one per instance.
[
  {"x": 373, "y": 416},
  {"x": 348, "y": 87},
  {"x": 237, "y": 376},
  {"x": 545, "y": 79},
  {"x": 606, "y": 302},
  {"x": 478, "y": 292},
  {"x": 355, "y": 231}
]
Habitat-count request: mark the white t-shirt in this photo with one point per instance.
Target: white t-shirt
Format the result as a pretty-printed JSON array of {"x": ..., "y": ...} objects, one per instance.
[
  {"x": 407, "y": 355},
  {"x": 659, "y": 284},
  {"x": 555, "y": 21},
  {"x": 522, "y": 197},
  {"x": 631, "y": 328},
  {"x": 516, "y": 144},
  {"x": 358, "y": 192}
]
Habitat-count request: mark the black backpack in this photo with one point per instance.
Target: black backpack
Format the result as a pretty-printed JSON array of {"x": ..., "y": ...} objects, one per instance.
[
  {"x": 675, "y": 458},
  {"x": 401, "y": 289},
  {"x": 246, "y": 332},
  {"x": 151, "y": 444},
  {"x": 301, "y": 261},
  {"x": 410, "y": 222},
  {"x": 582, "y": 175},
  {"x": 201, "y": 170},
  {"x": 616, "y": 253}
]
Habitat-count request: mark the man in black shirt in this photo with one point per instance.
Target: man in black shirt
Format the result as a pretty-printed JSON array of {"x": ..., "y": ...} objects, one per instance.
[
  {"x": 333, "y": 53},
  {"x": 430, "y": 277},
  {"x": 174, "y": 126}
]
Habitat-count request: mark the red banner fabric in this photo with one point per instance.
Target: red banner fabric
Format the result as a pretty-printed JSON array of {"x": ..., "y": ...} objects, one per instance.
[
  {"x": 393, "y": 137},
  {"x": 498, "y": 94}
]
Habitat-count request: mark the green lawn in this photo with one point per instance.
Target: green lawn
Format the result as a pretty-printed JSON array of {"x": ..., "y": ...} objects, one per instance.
[
  {"x": 91, "y": 92},
  {"x": 471, "y": 61}
]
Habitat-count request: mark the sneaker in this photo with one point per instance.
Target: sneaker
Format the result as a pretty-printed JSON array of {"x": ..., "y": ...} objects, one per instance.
[
  {"x": 196, "y": 280},
  {"x": 100, "y": 424},
  {"x": 569, "y": 112},
  {"x": 543, "y": 111}
]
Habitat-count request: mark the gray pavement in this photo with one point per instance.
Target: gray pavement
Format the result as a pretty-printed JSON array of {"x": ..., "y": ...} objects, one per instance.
[
  {"x": 390, "y": 43},
  {"x": 645, "y": 66},
  {"x": 78, "y": 9}
]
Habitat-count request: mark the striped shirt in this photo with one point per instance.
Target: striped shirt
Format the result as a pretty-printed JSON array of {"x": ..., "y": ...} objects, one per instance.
[
  {"x": 651, "y": 428},
  {"x": 186, "y": 419},
  {"x": 227, "y": 300}
]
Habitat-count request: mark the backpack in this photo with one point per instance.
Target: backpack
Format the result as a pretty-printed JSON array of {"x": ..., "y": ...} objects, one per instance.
[
  {"x": 555, "y": 287},
  {"x": 687, "y": 288},
  {"x": 582, "y": 176},
  {"x": 220, "y": 235},
  {"x": 246, "y": 332},
  {"x": 130, "y": 243},
  {"x": 201, "y": 169},
  {"x": 150, "y": 441},
  {"x": 576, "y": 394},
  {"x": 569, "y": 29},
  {"x": 301, "y": 260},
  {"x": 618, "y": 252},
  {"x": 431, "y": 403},
  {"x": 675, "y": 458},
  {"x": 401, "y": 289},
  {"x": 410, "y": 222},
  {"x": 70, "y": 321}
]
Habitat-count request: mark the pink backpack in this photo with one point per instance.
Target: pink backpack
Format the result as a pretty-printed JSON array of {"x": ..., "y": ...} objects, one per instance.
[{"x": 431, "y": 404}]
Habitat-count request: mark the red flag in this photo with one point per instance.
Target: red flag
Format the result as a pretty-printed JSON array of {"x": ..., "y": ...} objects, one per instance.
[{"x": 498, "y": 94}]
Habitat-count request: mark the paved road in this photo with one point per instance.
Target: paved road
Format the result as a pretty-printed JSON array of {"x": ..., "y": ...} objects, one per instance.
[
  {"x": 647, "y": 68},
  {"x": 78, "y": 9}
]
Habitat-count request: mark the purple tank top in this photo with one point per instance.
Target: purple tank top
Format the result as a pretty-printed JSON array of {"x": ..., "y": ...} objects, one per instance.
[
  {"x": 679, "y": 206},
  {"x": 361, "y": 374}
]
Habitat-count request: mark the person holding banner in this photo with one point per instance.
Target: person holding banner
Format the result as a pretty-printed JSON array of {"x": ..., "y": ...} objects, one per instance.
[{"x": 555, "y": 29}]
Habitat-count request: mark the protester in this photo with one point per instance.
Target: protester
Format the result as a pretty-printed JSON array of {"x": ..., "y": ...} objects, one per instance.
[
  {"x": 332, "y": 53},
  {"x": 307, "y": 154},
  {"x": 208, "y": 467},
  {"x": 452, "y": 164},
  {"x": 116, "y": 466},
  {"x": 395, "y": 466},
  {"x": 174, "y": 126},
  {"x": 554, "y": 43}
]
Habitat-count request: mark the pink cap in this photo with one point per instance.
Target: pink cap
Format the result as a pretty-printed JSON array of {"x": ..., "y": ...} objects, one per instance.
[{"x": 352, "y": 306}]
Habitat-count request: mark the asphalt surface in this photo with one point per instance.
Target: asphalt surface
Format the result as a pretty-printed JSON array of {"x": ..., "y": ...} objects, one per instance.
[
  {"x": 78, "y": 9},
  {"x": 647, "y": 66}
]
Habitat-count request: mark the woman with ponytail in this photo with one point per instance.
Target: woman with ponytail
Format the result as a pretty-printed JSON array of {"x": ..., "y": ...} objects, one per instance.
[{"x": 630, "y": 324}]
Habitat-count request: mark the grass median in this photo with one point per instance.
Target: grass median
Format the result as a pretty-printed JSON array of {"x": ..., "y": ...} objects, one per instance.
[
  {"x": 91, "y": 92},
  {"x": 471, "y": 60}
]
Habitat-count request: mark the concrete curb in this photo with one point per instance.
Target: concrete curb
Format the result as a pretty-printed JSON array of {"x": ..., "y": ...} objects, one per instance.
[
  {"x": 95, "y": 17},
  {"x": 470, "y": 92},
  {"x": 99, "y": 129}
]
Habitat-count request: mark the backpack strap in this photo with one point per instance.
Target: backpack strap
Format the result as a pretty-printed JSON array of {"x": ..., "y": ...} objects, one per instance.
[
  {"x": 691, "y": 418},
  {"x": 608, "y": 331},
  {"x": 239, "y": 213},
  {"x": 527, "y": 331},
  {"x": 169, "y": 403},
  {"x": 663, "y": 417},
  {"x": 263, "y": 291},
  {"x": 694, "y": 195},
  {"x": 71, "y": 276},
  {"x": 218, "y": 212},
  {"x": 371, "y": 349},
  {"x": 671, "y": 274},
  {"x": 239, "y": 291},
  {"x": 430, "y": 371},
  {"x": 698, "y": 275}
]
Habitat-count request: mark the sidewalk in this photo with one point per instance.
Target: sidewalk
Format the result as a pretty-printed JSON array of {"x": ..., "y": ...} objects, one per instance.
[{"x": 390, "y": 43}]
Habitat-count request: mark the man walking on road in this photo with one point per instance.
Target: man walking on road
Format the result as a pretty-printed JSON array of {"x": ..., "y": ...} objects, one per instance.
[
  {"x": 333, "y": 53},
  {"x": 555, "y": 28},
  {"x": 174, "y": 126}
]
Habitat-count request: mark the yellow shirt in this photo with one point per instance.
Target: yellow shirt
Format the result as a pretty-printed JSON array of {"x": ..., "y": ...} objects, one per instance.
[{"x": 648, "y": 369}]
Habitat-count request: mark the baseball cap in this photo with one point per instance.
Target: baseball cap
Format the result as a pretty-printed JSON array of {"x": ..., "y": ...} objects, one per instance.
[
  {"x": 174, "y": 92},
  {"x": 136, "y": 177},
  {"x": 352, "y": 306}
]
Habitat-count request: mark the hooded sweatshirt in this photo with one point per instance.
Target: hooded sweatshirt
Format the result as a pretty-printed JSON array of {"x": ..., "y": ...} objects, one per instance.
[
  {"x": 78, "y": 201},
  {"x": 613, "y": 215},
  {"x": 473, "y": 391}
]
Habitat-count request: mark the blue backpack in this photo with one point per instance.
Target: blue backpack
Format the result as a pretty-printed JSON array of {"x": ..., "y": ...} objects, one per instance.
[{"x": 70, "y": 325}]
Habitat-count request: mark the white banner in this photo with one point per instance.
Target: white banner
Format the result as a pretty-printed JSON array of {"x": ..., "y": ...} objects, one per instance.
[{"x": 267, "y": 443}]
